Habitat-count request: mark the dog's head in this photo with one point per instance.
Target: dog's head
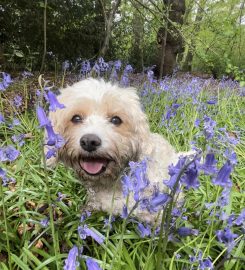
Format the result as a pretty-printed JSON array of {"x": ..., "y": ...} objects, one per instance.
[{"x": 103, "y": 126}]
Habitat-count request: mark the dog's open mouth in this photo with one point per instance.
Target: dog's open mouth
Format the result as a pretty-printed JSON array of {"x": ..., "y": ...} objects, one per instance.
[{"x": 94, "y": 166}]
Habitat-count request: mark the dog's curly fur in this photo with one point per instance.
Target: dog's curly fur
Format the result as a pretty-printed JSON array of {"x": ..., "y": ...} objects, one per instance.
[{"x": 96, "y": 102}]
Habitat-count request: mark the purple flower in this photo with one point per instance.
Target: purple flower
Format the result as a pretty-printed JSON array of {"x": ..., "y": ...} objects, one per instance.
[
  {"x": 26, "y": 74},
  {"x": 52, "y": 137},
  {"x": 107, "y": 222},
  {"x": 205, "y": 264},
  {"x": 209, "y": 126},
  {"x": 18, "y": 139},
  {"x": 84, "y": 231},
  {"x": 209, "y": 167},
  {"x": 144, "y": 230},
  {"x": 2, "y": 119},
  {"x": 61, "y": 197},
  {"x": 174, "y": 171},
  {"x": 190, "y": 179},
  {"x": 157, "y": 201},
  {"x": 53, "y": 102},
  {"x": 66, "y": 65},
  {"x": 124, "y": 212},
  {"x": 224, "y": 197},
  {"x": 85, "y": 67},
  {"x": 211, "y": 102},
  {"x": 227, "y": 237},
  {"x": 223, "y": 177},
  {"x": 8, "y": 153},
  {"x": 17, "y": 101},
  {"x": 117, "y": 64},
  {"x": 51, "y": 153},
  {"x": 241, "y": 218},
  {"x": 6, "y": 81},
  {"x": 197, "y": 122},
  {"x": 92, "y": 265},
  {"x": 15, "y": 122},
  {"x": 42, "y": 118},
  {"x": 137, "y": 179},
  {"x": 2, "y": 173},
  {"x": 44, "y": 222},
  {"x": 127, "y": 185},
  {"x": 71, "y": 262},
  {"x": 185, "y": 231}
]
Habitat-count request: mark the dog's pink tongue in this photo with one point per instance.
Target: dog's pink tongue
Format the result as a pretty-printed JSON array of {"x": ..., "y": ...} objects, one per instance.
[{"x": 92, "y": 166}]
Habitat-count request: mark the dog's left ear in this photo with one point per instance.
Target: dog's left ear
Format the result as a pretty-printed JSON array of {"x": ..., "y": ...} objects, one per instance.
[{"x": 138, "y": 118}]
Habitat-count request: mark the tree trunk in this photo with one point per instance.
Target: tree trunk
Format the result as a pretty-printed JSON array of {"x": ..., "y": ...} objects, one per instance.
[
  {"x": 136, "y": 54},
  {"x": 187, "y": 65},
  {"x": 169, "y": 40},
  {"x": 108, "y": 25}
]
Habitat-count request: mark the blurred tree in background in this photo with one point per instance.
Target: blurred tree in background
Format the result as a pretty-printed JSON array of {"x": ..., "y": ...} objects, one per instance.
[{"x": 193, "y": 35}]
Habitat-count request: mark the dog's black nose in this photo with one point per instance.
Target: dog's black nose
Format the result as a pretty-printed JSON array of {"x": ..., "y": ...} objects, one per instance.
[{"x": 90, "y": 142}]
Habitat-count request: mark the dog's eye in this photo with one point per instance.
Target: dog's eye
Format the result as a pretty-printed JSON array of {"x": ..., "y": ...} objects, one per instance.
[
  {"x": 76, "y": 119},
  {"x": 115, "y": 120}
]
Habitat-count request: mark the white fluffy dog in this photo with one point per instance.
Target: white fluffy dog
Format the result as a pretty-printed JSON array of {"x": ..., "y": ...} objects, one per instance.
[{"x": 104, "y": 128}]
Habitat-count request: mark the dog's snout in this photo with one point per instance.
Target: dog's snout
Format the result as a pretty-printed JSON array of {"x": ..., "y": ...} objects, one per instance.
[{"x": 90, "y": 142}]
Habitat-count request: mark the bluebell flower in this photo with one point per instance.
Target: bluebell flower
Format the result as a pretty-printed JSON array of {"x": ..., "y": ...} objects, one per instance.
[
  {"x": 241, "y": 218},
  {"x": 15, "y": 122},
  {"x": 107, "y": 222},
  {"x": 150, "y": 75},
  {"x": 2, "y": 172},
  {"x": 19, "y": 139},
  {"x": 177, "y": 256},
  {"x": 174, "y": 171},
  {"x": 51, "y": 153},
  {"x": 6, "y": 81},
  {"x": 190, "y": 179},
  {"x": 85, "y": 67},
  {"x": 209, "y": 166},
  {"x": 71, "y": 263},
  {"x": 192, "y": 259},
  {"x": 209, "y": 126},
  {"x": 92, "y": 265},
  {"x": 66, "y": 65},
  {"x": 53, "y": 102},
  {"x": 17, "y": 101},
  {"x": 137, "y": 179},
  {"x": 206, "y": 264},
  {"x": 2, "y": 119},
  {"x": 84, "y": 231},
  {"x": 158, "y": 201},
  {"x": 51, "y": 136},
  {"x": 124, "y": 212},
  {"x": 8, "y": 153},
  {"x": 211, "y": 102},
  {"x": 227, "y": 237},
  {"x": 231, "y": 156},
  {"x": 224, "y": 198},
  {"x": 144, "y": 230},
  {"x": 27, "y": 74},
  {"x": 61, "y": 197},
  {"x": 6, "y": 181},
  {"x": 223, "y": 177},
  {"x": 185, "y": 231},
  {"x": 117, "y": 64},
  {"x": 44, "y": 222},
  {"x": 42, "y": 117},
  {"x": 103, "y": 65},
  {"x": 85, "y": 215},
  {"x": 197, "y": 122}
]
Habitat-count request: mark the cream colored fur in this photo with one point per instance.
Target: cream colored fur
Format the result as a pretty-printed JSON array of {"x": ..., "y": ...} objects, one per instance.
[{"x": 97, "y": 101}]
